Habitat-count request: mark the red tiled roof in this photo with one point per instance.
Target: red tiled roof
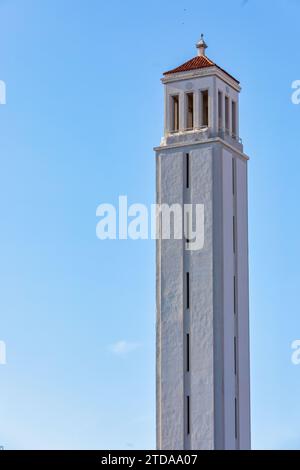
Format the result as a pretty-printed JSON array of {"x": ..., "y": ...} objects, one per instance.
[{"x": 198, "y": 62}]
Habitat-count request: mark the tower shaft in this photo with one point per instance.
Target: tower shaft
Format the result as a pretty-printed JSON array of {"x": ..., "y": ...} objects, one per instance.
[{"x": 203, "y": 373}]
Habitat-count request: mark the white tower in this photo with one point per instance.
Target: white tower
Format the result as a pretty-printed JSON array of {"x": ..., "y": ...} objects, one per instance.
[{"x": 203, "y": 374}]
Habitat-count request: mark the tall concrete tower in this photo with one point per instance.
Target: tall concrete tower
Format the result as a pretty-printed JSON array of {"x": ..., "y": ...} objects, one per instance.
[{"x": 203, "y": 376}]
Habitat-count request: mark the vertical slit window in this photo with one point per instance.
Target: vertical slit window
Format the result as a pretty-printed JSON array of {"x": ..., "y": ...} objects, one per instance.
[
  {"x": 227, "y": 114},
  {"x": 188, "y": 415},
  {"x": 234, "y": 294},
  {"x": 187, "y": 290},
  {"x": 204, "y": 99},
  {"x": 233, "y": 234},
  {"x": 220, "y": 109},
  {"x": 187, "y": 169},
  {"x": 233, "y": 117},
  {"x": 235, "y": 356},
  {"x": 175, "y": 113},
  {"x": 187, "y": 352},
  {"x": 190, "y": 110},
  {"x": 235, "y": 418}
]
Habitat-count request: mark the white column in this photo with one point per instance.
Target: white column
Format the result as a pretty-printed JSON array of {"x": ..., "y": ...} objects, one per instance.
[
  {"x": 223, "y": 111},
  {"x": 197, "y": 115},
  {"x": 211, "y": 111},
  {"x": 166, "y": 111},
  {"x": 215, "y": 123},
  {"x": 243, "y": 305},
  {"x": 230, "y": 116},
  {"x": 200, "y": 108},
  {"x": 237, "y": 119},
  {"x": 182, "y": 111}
]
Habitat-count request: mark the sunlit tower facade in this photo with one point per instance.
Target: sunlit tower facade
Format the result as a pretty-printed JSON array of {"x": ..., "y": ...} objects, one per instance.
[{"x": 203, "y": 371}]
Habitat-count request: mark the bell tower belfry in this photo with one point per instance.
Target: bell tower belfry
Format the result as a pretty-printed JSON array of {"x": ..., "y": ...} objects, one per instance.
[{"x": 203, "y": 372}]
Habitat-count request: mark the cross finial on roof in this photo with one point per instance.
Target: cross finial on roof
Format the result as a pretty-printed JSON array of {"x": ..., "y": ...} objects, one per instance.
[{"x": 201, "y": 46}]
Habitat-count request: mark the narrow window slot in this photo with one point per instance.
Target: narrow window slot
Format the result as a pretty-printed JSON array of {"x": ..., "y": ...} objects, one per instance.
[
  {"x": 233, "y": 234},
  {"x": 175, "y": 113},
  {"x": 235, "y": 357},
  {"x": 188, "y": 415},
  {"x": 234, "y": 294},
  {"x": 187, "y": 290},
  {"x": 190, "y": 110},
  {"x": 236, "y": 418},
  {"x": 205, "y": 114},
  {"x": 187, "y": 352},
  {"x": 187, "y": 167}
]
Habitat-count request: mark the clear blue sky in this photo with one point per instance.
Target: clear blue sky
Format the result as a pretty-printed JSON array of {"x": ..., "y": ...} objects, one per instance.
[{"x": 84, "y": 109}]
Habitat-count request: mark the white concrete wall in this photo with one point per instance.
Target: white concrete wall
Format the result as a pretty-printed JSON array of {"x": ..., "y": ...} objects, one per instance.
[
  {"x": 211, "y": 382},
  {"x": 228, "y": 264},
  {"x": 228, "y": 301},
  {"x": 201, "y": 307},
  {"x": 243, "y": 304},
  {"x": 170, "y": 353}
]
